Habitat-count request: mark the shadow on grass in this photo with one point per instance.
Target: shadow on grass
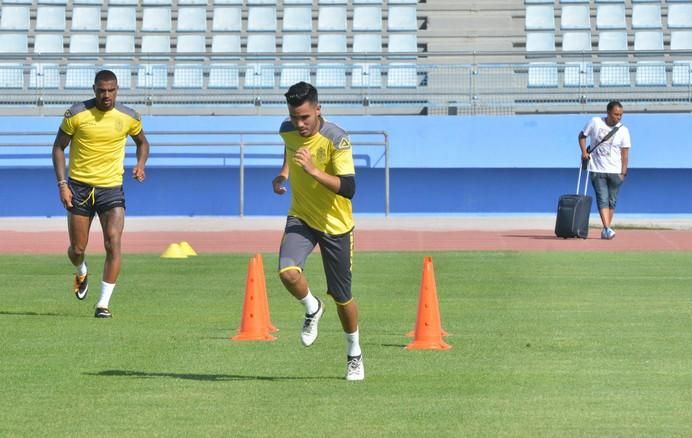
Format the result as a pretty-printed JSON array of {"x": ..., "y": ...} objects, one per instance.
[
  {"x": 201, "y": 377},
  {"x": 4, "y": 312}
]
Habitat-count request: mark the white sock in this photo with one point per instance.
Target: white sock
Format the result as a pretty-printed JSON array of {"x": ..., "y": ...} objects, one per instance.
[
  {"x": 82, "y": 268},
  {"x": 353, "y": 344},
  {"x": 310, "y": 302},
  {"x": 106, "y": 292}
]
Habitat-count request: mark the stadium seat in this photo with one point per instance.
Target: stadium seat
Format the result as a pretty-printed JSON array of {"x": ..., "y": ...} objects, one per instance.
[
  {"x": 192, "y": 19},
  {"x": 331, "y": 18},
  {"x": 610, "y": 16},
  {"x": 650, "y": 73},
  {"x": 681, "y": 75},
  {"x": 121, "y": 18},
  {"x": 14, "y": 18},
  {"x": 648, "y": 40},
  {"x": 123, "y": 44},
  {"x": 122, "y": 2},
  {"x": 225, "y": 43},
  {"x": 615, "y": 74},
  {"x": 86, "y": 46},
  {"x": 542, "y": 75},
  {"x": 679, "y": 16},
  {"x": 646, "y": 16},
  {"x": 86, "y": 18},
  {"x": 14, "y": 42},
  {"x": 189, "y": 47},
  {"x": 224, "y": 75},
  {"x": 612, "y": 40},
  {"x": 297, "y": 2},
  {"x": 157, "y": 2},
  {"x": 156, "y": 44},
  {"x": 578, "y": 41},
  {"x": 227, "y": 19},
  {"x": 296, "y": 43},
  {"x": 195, "y": 2},
  {"x": 331, "y": 74},
  {"x": 154, "y": 75},
  {"x": 367, "y": 18},
  {"x": 297, "y": 18},
  {"x": 578, "y": 74},
  {"x": 260, "y": 74},
  {"x": 402, "y": 75},
  {"x": 681, "y": 40},
  {"x": 261, "y": 18},
  {"x": 540, "y": 41},
  {"x": 367, "y": 47},
  {"x": 50, "y": 17},
  {"x": 402, "y": 18},
  {"x": 156, "y": 19},
  {"x": 575, "y": 17},
  {"x": 87, "y": 2},
  {"x": 402, "y": 42},
  {"x": 367, "y": 43},
  {"x": 540, "y": 17}
]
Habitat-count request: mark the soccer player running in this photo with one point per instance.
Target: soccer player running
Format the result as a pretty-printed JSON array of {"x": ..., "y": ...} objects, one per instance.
[
  {"x": 317, "y": 156},
  {"x": 97, "y": 131}
]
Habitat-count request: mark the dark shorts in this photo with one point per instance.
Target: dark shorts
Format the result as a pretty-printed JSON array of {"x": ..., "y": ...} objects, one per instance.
[
  {"x": 606, "y": 186},
  {"x": 337, "y": 254},
  {"x": 88, "y": 200}
]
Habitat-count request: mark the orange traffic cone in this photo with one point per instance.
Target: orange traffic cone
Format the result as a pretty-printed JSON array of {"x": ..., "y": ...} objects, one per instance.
[
  {"x": 263, "y": 291},
  {"x": 428, "y": 281},
  {"x": 254, "y": 323},
  {"x": 428, "y": 332}
]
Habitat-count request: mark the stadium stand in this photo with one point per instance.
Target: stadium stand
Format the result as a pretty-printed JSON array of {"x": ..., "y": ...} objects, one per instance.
[{"x": 396, "y": 56}]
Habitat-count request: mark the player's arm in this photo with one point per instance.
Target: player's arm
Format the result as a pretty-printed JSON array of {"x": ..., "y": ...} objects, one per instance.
[
  {"x": 142, "y": 156},
  {"x": 582, "y": 145},
  {"x": 624, "y": 154},
  {"x": 62, "y": 140},
  {"x": 341, "y": 185},
  {"x": 278, "y": 183}
]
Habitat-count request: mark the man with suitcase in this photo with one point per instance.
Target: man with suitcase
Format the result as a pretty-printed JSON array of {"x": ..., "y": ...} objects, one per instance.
[{"x": 607, "y": 156}]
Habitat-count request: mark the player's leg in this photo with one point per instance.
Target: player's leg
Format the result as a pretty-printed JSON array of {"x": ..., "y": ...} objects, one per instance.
[
  {"x": 600, "y": 187},
  {"x": 337, "y": 258},
  {"x": 110, "y": 204},
  {"x": 78, "y": 226},
  {"x": 297, "y": 243}
]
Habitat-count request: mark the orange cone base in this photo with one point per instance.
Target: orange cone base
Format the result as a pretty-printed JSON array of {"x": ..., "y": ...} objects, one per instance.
[
  {"x": 253, "y": 337},
  {"x": 412, "y": 333},
  {"x": 428, "y": 345}
]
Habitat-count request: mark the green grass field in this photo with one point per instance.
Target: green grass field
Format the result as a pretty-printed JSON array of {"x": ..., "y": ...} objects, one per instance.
[{"x": 544, "y": 344}]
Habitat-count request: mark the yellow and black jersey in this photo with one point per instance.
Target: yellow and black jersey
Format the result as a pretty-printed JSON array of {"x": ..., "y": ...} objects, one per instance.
[
  {"x": 315, "y": 204},
  {"x": 97, "y": 148}
]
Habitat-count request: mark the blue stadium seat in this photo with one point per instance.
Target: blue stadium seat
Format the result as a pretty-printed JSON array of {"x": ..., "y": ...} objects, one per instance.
[
  {"x": 156, "y": 44},
  {"x": 15, "y": 18},
  {"x": 646, "y": 16},
  {"x": 650, "y": 73},
  {"x": 575, "y": 17},
  {"x": 156, "y": 19},
  {"x": 402, "y": 18},
  {"x": 367, "y": 18},
  {"x": 121, "y": 18},
  {"x": 679, "y": 16},
  {"x": 578, "y": 41},
  {"x": 192, "y": 19},
  {"x": 122, "y": 2},
  {"x": 542, "y": 75},
  {"x": 540, "y": 41},
  {"x": 332, "y": 18},
  {"x": 615, "y": 74},
  {"x": 610, "y": 16},
  {"x": 261, "y": 18},
  {"x": 151, "y": 74},
  {"x": 189, "y": 75},
  {"x": 86, "y": 46},
  {"x": 367, "y": 47},
  {"x": 224, "y": 75},
  {"x": 681, "y": 40},
  {"x": 297, "y": 2},
  {"x": 402, "y": 75},
  {"x": 540, "y": 17},
  {"x": 297, "y": 18},
  {"x": 260, "y": 74},
  {"x": 50, "y": 17},
  {"x": 612, "y": 40},
  {"x": 86, "y": 18},
  {"x": 227, "y": 19},
  {"x": 648, "y": 40},
  {"x": 123, "y": 44},
  {"x": 402, "y": 42},
  {"x": 578, "y": 74},
  {"x": 331, "y": 74}
]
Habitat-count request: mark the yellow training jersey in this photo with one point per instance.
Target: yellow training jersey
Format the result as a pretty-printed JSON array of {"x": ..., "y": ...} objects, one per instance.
[
  {"x": 316, "y": 205},
  {"x": 97, "y": 149}
]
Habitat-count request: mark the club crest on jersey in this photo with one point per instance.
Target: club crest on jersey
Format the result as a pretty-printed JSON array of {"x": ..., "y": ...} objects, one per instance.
[
  {"x": 321, "y": 155},
  {"x": 68, "y": 114},
  {"x": 345, "y": 143}
]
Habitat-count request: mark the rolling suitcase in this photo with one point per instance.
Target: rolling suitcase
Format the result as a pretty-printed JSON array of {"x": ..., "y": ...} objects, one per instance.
[{"x": 573, "y": 212}]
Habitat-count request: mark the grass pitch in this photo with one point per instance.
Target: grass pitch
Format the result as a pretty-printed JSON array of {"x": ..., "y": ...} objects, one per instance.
[{"x": 544, "y": 344}]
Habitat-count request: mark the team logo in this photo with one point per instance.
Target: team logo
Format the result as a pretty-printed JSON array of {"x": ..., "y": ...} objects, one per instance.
[
  {"x": 118, "y": 125},
  {"x": 321, "y": 155},
  {"x": 345, "y": 143},
  {"x": 68, "y": 114}
]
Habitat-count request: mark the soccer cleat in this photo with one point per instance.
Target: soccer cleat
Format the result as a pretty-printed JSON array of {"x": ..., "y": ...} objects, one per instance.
[
  {"x": 81, "y": 286},
  {"x": 610, "y": 233},
  {"x": 308, "y": 334},
  {"x": 102, "y": 312},
  {"x": 354, "y": 368}
]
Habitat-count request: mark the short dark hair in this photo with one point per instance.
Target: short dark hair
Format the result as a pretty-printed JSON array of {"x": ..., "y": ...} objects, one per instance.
[
  {"x": 613, "y": 104},
  {"x": 300, "y": 93},
  {"x": 105, "y": 75}
]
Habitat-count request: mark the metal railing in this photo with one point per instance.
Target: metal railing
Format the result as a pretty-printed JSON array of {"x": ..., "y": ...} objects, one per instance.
[{"x": 201, "y": 149}]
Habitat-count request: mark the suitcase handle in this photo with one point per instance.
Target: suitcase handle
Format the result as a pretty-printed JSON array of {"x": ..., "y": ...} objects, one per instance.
[{"x": 586, "y": 180}]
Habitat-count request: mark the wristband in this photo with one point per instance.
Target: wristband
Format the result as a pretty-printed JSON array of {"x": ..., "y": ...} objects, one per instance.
[{"x": 62, "y": 182}]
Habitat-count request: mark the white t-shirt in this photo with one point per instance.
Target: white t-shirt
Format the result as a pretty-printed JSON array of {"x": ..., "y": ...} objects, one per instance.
[{"x": 607, "y": 157}]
